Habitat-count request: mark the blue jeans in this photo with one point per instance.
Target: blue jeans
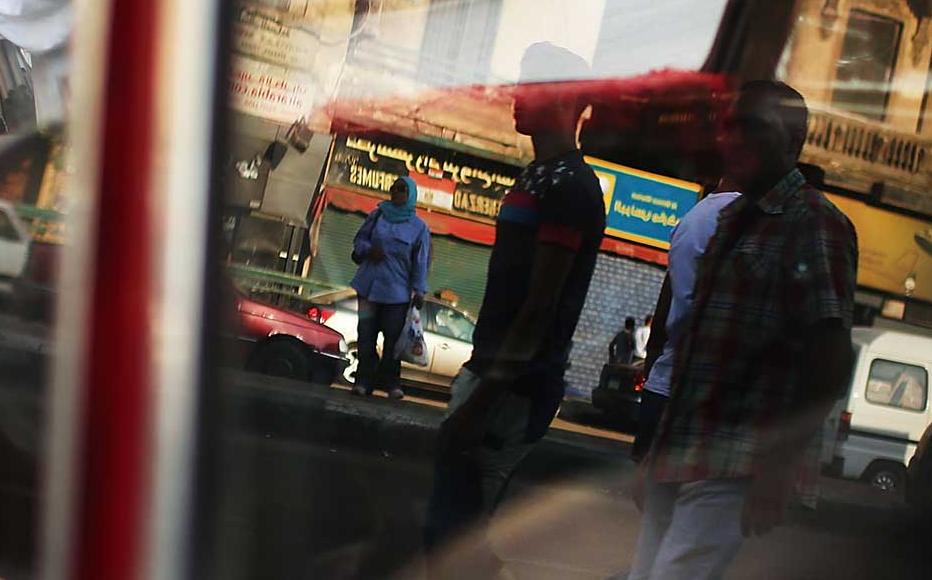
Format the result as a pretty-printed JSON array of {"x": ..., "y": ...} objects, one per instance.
[{"x": 389, "y": 320}]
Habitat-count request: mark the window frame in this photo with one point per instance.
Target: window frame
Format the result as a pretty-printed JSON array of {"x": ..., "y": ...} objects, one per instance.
[
  {"x": 435, "y": 41},
  {"x": 870, "y": 371},
  {"x": 891, "y": 74}
]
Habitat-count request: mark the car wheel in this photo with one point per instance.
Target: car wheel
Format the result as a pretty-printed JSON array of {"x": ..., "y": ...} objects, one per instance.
[
  {"x": 888, "y": 477},
  {"x": 281, "y": 359},
  {"x": 348, "y": 376}
]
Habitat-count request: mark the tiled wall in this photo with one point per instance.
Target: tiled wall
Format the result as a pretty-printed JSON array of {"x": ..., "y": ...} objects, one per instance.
[{"x": 620, "y": 287}]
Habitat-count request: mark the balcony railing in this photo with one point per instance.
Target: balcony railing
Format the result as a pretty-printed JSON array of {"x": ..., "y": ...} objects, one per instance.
[{"x": 862, "y": 143}]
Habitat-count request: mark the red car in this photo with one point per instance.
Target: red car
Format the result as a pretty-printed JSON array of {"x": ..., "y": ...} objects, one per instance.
[{"x": 287, "y": 344}]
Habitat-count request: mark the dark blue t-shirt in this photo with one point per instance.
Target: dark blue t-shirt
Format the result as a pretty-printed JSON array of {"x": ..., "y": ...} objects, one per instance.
[{"x": 556, "y": 201}]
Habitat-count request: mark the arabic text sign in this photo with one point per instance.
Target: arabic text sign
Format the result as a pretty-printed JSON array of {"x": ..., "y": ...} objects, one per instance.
[
  {"x": 258, "y": 35},
  {"x": 269, "y": 91},
  {"x": 640, "y": 206},
  {"x": 451, "y": 181}
]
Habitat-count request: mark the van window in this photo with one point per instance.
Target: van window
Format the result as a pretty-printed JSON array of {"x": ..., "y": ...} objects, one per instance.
[{"x": 895, "y": 384}]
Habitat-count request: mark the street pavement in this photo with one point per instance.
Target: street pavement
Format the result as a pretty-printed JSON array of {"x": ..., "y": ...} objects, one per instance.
[
  {"x": 303, "y": 481},
  {"x": 352, "y": 505}
]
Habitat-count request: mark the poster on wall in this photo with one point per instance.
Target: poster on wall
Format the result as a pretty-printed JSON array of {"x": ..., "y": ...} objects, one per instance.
[
  {"x": 895, "y": 251},
  {"x": 281, "y": 69},
  {"x": 263, "y": 37},
  {"x": 269, "y": 91},
  {"x": 640, "y": 206}
]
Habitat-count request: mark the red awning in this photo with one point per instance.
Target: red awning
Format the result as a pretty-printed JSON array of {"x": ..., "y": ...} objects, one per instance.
[
  {"x": 443, "y": 224},
  {"x": 481, "y": 115}
]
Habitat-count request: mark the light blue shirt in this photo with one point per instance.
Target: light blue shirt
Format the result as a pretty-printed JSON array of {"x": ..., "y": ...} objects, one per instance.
[
  {"x": 407, "y": 252},
  {"x": 687, "y": 245}
]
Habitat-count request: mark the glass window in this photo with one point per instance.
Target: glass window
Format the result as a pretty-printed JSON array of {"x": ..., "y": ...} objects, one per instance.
[
  {"x": 351, "y": 304},
  {"x": 866, "y": 65},
  {"x": 458, "y": 41},
  {"x": 519, "y": 122},
  {"x": 453, "y": 324},
  {"x": 896, "y": 384}
]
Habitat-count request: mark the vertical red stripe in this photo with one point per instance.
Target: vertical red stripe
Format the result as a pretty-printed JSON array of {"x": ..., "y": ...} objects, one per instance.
[{"x": 117, "y": 391}]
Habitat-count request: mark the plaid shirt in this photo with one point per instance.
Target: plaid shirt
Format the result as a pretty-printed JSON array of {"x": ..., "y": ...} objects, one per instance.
[{"x": 773, "y": 269}]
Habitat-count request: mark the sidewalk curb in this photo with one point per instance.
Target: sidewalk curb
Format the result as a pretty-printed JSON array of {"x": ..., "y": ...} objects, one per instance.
[{"x": 279, "y": 404}]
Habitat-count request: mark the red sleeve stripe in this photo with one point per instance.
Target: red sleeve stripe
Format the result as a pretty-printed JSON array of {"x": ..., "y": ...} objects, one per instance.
[
  {"x": 520, "y": 198},
  {"x": 561, "y": 235}
]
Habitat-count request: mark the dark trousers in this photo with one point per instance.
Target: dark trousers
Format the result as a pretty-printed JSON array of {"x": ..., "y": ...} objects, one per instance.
[
  {"x": 652, "y": 407},
  {"x": 468, "y": 485},
  {"x": 375, "y": 318}
]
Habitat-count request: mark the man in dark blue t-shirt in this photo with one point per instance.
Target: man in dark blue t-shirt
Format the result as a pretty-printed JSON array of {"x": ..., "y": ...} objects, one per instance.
[{"x": 548, "y": 235}]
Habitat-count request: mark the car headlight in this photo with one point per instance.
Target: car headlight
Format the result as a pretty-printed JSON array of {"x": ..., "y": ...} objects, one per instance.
[{"x": 344, "y": 348}]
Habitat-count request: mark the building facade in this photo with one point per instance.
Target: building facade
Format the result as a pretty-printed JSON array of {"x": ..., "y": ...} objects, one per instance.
[{"x": 865, "y": 68}]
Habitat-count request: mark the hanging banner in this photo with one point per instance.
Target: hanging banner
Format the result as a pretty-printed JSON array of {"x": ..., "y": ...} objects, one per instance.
[{"x": 640, "y": 206}]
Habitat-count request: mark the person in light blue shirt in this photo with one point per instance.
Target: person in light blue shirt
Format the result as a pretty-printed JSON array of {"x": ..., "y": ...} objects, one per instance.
[
  {"x": 392, "y": 249},
  {"x": 687, "y": 245}
]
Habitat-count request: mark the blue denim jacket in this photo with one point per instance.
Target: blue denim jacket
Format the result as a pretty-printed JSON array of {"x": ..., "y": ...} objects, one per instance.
[{"x": 407, "y": 252}]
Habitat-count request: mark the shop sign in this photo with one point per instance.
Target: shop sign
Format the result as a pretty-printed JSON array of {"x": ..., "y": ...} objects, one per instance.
[
  {"x": 895, "y": 251},
  {"x": 448, "y": 180},
  {"x": 269, "y": 91},
  {"x": 640, "y": 206}
]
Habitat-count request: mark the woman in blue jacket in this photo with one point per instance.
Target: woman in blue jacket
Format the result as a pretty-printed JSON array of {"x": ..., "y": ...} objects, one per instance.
[{"x": 392, "y": 249}]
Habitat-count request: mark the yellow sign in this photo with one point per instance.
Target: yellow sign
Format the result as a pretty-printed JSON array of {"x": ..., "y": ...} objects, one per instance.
[
  {"x": 640, "y": 206},
  {"x": 892, "y": 258}
]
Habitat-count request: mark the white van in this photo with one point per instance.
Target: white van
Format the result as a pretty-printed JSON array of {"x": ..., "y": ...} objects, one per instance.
[{"x": 887, "y": 408}]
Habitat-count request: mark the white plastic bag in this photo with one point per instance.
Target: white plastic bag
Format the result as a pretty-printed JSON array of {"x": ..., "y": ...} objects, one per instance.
[{"x": 411, "y": 346}]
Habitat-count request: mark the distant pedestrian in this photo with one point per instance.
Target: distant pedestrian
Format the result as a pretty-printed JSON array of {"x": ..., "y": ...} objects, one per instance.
[
  {"x": 674, "y": 307},
  {"x": 547, "y": 239},
  {"x": 621, "y": 349},
  {"x": 641, "y": 336},
  {"x": 392, "y": 249},
  {"x": 766, "y": 354}
]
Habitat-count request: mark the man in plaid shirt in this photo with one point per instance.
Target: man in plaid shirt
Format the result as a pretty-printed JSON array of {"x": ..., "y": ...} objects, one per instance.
[{"x": 767, "y": 353}]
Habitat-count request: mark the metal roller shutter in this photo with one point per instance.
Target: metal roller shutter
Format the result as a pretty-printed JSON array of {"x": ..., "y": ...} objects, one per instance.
[
  {"x": 332, "y": 263},
  {"x": 457, "y": 265},
  {"x": 461, "y": 267}
]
